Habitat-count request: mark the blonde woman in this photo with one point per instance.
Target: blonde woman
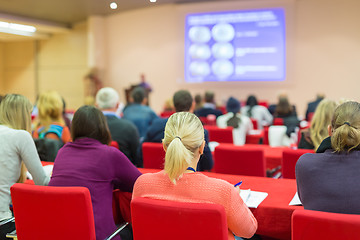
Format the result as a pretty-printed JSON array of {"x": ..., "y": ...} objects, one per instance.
[
  {"x": 16, "y": 147},
  {"x": 179, "y": 181},
  {"x": 318, "y": 131},
  {"x": 328, "y": 180},
  {"x": 51, "y": 122}
]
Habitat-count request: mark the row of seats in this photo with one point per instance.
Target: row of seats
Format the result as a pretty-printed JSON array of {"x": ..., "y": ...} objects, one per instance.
[
  {"x": 231, "y": 159},
  {"x": 58, "y": 213}
]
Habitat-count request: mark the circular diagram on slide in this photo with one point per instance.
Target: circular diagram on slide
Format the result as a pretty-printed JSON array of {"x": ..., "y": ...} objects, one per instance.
[
  {"x": 199, "y": 51},
  {"x": 223, "y": 50},
  {"x": 199, "y": 69},
  {"x": 222, "y": 68},
  {"x": 223, "y": 32},
  {"x": 199, "y": 34}
]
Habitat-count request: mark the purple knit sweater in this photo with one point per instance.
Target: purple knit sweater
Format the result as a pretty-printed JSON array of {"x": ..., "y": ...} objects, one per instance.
[{"x": 88, "y": 163}]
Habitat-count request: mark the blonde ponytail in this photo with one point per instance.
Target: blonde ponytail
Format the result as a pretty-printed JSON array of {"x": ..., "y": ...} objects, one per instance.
[
  {"x": 346, "y": 127},
  {"x": 183, "y": 135}
]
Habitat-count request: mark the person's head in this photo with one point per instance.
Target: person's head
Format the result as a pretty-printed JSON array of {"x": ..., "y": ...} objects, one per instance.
[
  {"x": 15, "y": 112},
  {"x": 50, "y": 107},
  {"x": 183, "y": 142},
  {"x": 183, "y": 101},
  {"x": 283, "y": 107},
  {"x": 251, "y": 101},
  {"x": 90, "y": 122},
  {"x": 107, "y": 98},
  {"x": 198, "y": 99},
  {"x": 233, "y": 106},
  {"x": 345, "y": 127},
  {"x": 138, "y": 95},
  {"x": 321, "y": 120},
  {"x": 209, "y": 97}
]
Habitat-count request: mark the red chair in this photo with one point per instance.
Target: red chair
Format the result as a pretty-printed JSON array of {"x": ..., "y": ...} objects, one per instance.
[
  {"x": 209, "y": 120},
  {"x": 220, "y": 135},
  {"x": 153, "y": 155},
  {"x": 114, "y": 144},
  {"x": 56, "y": 213},
  {"x": 239, "y": 160},
  {"x": 254, "y": 122},
  {"x": 166, "y": 114},
  {"x": 266, "y": 135},
  {"x": 278, "y": 121},
  {"x": 289, "y": 159},
  {"x": 311, "y": 225},
  {"x": 264, "y": 103},
  {"x": 163, "y": 220}
]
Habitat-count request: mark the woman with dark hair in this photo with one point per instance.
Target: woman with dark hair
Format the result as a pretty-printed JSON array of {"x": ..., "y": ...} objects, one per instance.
[
  {"x": 88, "y": 161},
  {"x": 328, "y": 180},
  {"x": 260, "y": 113},
  {"x": 241, "y": 123}
]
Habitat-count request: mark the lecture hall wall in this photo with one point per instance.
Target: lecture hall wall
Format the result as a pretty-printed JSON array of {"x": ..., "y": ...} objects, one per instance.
[{"x": 323, "y": 54}]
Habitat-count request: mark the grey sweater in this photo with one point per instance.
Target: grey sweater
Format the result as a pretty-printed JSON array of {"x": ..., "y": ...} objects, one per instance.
[
  {"x": 329, "y": 181},
  {"x": 16, "y": 146}
]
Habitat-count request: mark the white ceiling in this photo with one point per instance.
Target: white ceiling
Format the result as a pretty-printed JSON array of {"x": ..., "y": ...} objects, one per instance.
[{"x": 51, "y": 16}]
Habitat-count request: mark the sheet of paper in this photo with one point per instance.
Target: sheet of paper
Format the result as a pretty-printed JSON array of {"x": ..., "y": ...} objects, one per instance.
[
  {"x": 252, "y": 199},
  {"x": 295, "y": 200}
]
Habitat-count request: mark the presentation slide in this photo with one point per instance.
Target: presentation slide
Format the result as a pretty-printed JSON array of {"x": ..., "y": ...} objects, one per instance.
[{"x": 246, "y": 45}]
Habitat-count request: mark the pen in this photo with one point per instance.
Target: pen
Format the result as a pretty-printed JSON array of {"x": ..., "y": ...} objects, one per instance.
[{"x": 238, "y": 184}]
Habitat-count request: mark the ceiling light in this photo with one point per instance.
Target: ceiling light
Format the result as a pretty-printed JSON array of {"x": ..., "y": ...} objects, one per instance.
[
  {"x": 113, "y": 5},
  {"x": 152, "y": 0},
  {"x": 17, "y": 27}
]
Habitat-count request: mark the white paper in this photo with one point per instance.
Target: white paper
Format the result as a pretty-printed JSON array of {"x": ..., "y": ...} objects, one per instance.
[
  {"x": 252, "y": 199},
  {"x": 295, "y": 200}
]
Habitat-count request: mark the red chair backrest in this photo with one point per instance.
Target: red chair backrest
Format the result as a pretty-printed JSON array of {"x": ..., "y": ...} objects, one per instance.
[
  {"x": 314, "y": 225},
  {"x": 163, "y": 220},
  {"x": 264, "y": 103},
  {"x": 266, "y": 135},
  {"x": 289, "y": 159},
  {"x": 114, "y": 144},
  {"x": 278, "y": 121},
  {"x": 166, "y": 114},
  {"x": 220, "y": 135},
  {"x": 56, "y": 213},
  {"x": 239, "y": 160},
  {"x": 254, "y": 122},
  {"x": 310, "y": 116},
  {"x": 153, "y": 155}
]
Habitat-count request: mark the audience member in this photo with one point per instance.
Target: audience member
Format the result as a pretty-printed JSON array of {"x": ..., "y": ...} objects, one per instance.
[
  {"x": 288, "y": 113},
  {"x": 88, "y": 161},
  {"x": 208, "y": 107},
  {"x": 122, "y": 131},
  {"x": 183, "y": 102},
  {"x": 168, "y": 106},
  {"x": 318, "y": 131},
  {"x": 198, "y": 102},
  {"x": 138, "y": 113},
  {"x": 17, "y": 150},
  {"x": 241, "y": 124},
  {"x": 260, "y": 113},
  {"x": 51, "y": 122},
  {"x": 179, "y": 181},
  {"x": 328, "y": 180},
  {"x": 311, "y": 107},
  {"x": 64, "y": 115}
]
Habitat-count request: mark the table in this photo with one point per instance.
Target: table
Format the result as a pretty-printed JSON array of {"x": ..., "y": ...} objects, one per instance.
[{"x": 274, "y": 213}]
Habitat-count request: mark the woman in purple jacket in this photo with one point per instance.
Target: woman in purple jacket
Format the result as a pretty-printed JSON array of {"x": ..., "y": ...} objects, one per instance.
[{"x": 88, "y": 161}]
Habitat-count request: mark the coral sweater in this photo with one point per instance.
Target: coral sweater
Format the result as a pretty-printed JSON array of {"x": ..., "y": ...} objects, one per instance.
[{"x": 198, "y": 188}]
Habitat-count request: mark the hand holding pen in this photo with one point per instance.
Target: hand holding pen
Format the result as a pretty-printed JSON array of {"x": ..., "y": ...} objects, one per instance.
[{"x": 238, "y": 185}]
